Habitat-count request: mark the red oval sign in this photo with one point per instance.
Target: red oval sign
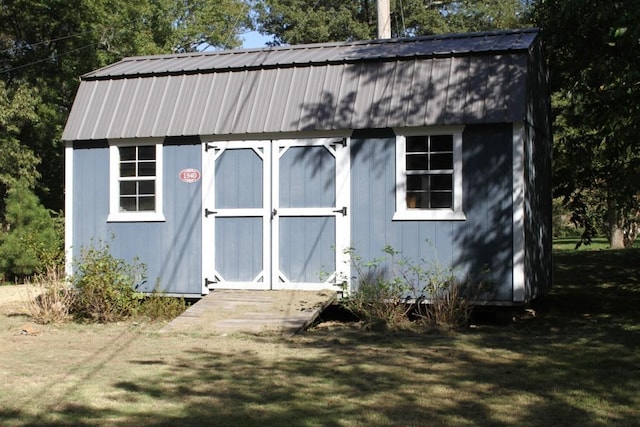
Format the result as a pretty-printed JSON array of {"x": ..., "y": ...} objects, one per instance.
[{"x": 189, "y": 175}]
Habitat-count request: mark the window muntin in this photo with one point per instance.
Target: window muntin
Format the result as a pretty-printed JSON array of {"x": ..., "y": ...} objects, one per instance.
[
  {"x": 429, "y": 174},
  {"x": 136, "y": 181},
  {"x": 137, "y": 178},
  {"x": 429, "y": 171}
]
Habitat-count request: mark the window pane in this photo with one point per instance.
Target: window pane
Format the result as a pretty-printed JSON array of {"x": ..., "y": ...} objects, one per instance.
[
  {"x": 127, "y": 169},
  {"x": 417, "y": 182},
  {"x": 146, "y": 187},
  {"x": 147, "y": 203},
  {"x": 127, "y": 153},
  {"x": 441, "y": 161},
  {"x": 417, "y": 162},
  {"x": 147, "y": 152},
  {"x": 127, "y": 204},
  {"x": 416, "y": 144},
  {"x": 146, "y": 169},
  {"x": 441, "y": 199},
  {"x": 442, "y": 143},
  {"x": 128, "y": 188},
  {"x": 441, "y": 182},
  {"x": 417, "y": 200}
]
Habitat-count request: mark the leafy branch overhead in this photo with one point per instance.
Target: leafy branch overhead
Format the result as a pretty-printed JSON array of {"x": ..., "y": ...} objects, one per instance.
[
  {"x": 312, "y": 21},
  {"x": 593, "y": 49},
  {"x": 46, "y": 46}
]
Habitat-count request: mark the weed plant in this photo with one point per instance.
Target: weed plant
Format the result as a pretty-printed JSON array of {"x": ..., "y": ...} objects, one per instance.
[
  {"x": 157, "y": 306},
  {"x": 393, "y": 291},
  {"x": 52, "y": 298}
]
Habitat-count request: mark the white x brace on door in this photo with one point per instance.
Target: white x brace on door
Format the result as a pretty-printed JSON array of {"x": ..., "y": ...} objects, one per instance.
[{"x": 276, "y": 214}]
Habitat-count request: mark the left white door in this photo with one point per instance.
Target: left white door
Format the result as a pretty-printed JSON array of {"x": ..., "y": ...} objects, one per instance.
[{"x": 236, "y": 198}]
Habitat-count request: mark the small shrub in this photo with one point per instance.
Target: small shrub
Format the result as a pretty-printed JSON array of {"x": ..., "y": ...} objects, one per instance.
[
  {"x": 157, "y": 306},
  {"x": 52, "y": 299},
  {"x": 106, "y": 286}
]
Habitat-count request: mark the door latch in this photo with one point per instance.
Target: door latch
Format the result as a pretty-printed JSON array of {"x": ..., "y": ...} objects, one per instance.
[{"x": 343, "y": 211}]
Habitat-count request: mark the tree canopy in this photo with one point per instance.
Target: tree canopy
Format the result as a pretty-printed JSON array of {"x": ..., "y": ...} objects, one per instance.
[
  {"x": 313, "y": 21},
  {"x": 593, "y": 47},
  {"x": 46, "y": 46}
]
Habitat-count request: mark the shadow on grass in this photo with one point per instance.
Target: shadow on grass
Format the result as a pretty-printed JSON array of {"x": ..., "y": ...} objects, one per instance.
[
  {"x": 588, "y": 283},
  {"x": 575, "y": 363}
]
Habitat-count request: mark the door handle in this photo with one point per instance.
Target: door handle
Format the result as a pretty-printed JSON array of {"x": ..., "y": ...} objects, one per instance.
[{"x": 274, "y": 213}]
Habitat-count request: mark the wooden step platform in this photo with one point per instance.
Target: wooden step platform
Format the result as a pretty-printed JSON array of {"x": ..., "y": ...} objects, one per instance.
[{"x": 224, "y": 312}]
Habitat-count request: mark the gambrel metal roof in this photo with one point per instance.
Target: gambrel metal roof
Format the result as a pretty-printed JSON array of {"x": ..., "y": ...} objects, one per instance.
[{"x": 422, "y": 81}]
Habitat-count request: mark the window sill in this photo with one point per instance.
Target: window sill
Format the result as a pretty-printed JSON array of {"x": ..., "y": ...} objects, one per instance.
[
  {"x": 429, "y": 215},
  {"x": 136, "y": 217}
]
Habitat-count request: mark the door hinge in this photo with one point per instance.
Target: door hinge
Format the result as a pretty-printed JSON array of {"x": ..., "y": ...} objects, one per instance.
[
  {"x": 342, "y": 142},
  {"x": 207, "y": 212},
  {"x": 208, "y": 282},
  {"x": 343, "y": 211},
  {"x": 208, "y": 147}
]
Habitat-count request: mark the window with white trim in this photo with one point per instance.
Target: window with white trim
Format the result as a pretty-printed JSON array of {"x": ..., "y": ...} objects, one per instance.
[
  {"x": 136, "y": 181},
  {"x": 429, "y": 174}
]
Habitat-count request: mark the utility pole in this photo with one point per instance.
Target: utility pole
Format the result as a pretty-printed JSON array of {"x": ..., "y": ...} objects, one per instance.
[{"x": 384, "y": 19}]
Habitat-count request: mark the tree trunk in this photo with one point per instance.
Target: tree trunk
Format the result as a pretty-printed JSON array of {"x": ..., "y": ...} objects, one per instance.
[{"x": 615, "y": 223}]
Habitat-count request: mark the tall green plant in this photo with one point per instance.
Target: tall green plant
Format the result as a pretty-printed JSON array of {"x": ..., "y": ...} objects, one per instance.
[{"x": 31, "y": 240}]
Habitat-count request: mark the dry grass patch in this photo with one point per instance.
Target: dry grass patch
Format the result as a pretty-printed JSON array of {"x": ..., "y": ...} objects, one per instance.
[{"x": 50, "y": 298}]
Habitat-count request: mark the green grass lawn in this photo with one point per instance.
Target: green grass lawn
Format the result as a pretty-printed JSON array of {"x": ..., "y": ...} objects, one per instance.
[
  {"x": 573, "y": 359},
  {"x": 597, "y": 243}
]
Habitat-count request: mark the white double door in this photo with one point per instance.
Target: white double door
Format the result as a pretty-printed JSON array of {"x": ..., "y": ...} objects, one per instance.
[{"x": 276, "y": 214}]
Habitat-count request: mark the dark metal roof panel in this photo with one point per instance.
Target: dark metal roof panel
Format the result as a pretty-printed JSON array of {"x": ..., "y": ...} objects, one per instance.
[
  {"x": 433, "y": 92},
  {"x": 456, "y": 44}
]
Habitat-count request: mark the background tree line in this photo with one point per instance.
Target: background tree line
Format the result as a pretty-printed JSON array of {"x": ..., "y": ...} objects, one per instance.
[{"x": 593, "y": 49}]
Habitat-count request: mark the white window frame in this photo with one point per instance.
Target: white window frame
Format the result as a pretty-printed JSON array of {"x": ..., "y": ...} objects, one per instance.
[
  {"x": 403, "y": 213},
  {"x": 114, "y": 183}
]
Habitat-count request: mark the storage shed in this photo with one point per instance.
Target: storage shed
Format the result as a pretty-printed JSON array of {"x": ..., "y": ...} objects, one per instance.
[{"x": 260, "y": 169}]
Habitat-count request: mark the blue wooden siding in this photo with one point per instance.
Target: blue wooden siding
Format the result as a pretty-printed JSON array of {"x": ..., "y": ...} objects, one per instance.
[
  {"x": 307, "y": 178},
  {"x": 307, "y": 248},
  {"x": 485, "y": 240},
  {"x": 479, "y": 248},
  {"x": 171, "y": 250},
  {"x": 239, "y": 179},
  {"x": 238, "y": 248},
  {"x": 91, "y": 196}
]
